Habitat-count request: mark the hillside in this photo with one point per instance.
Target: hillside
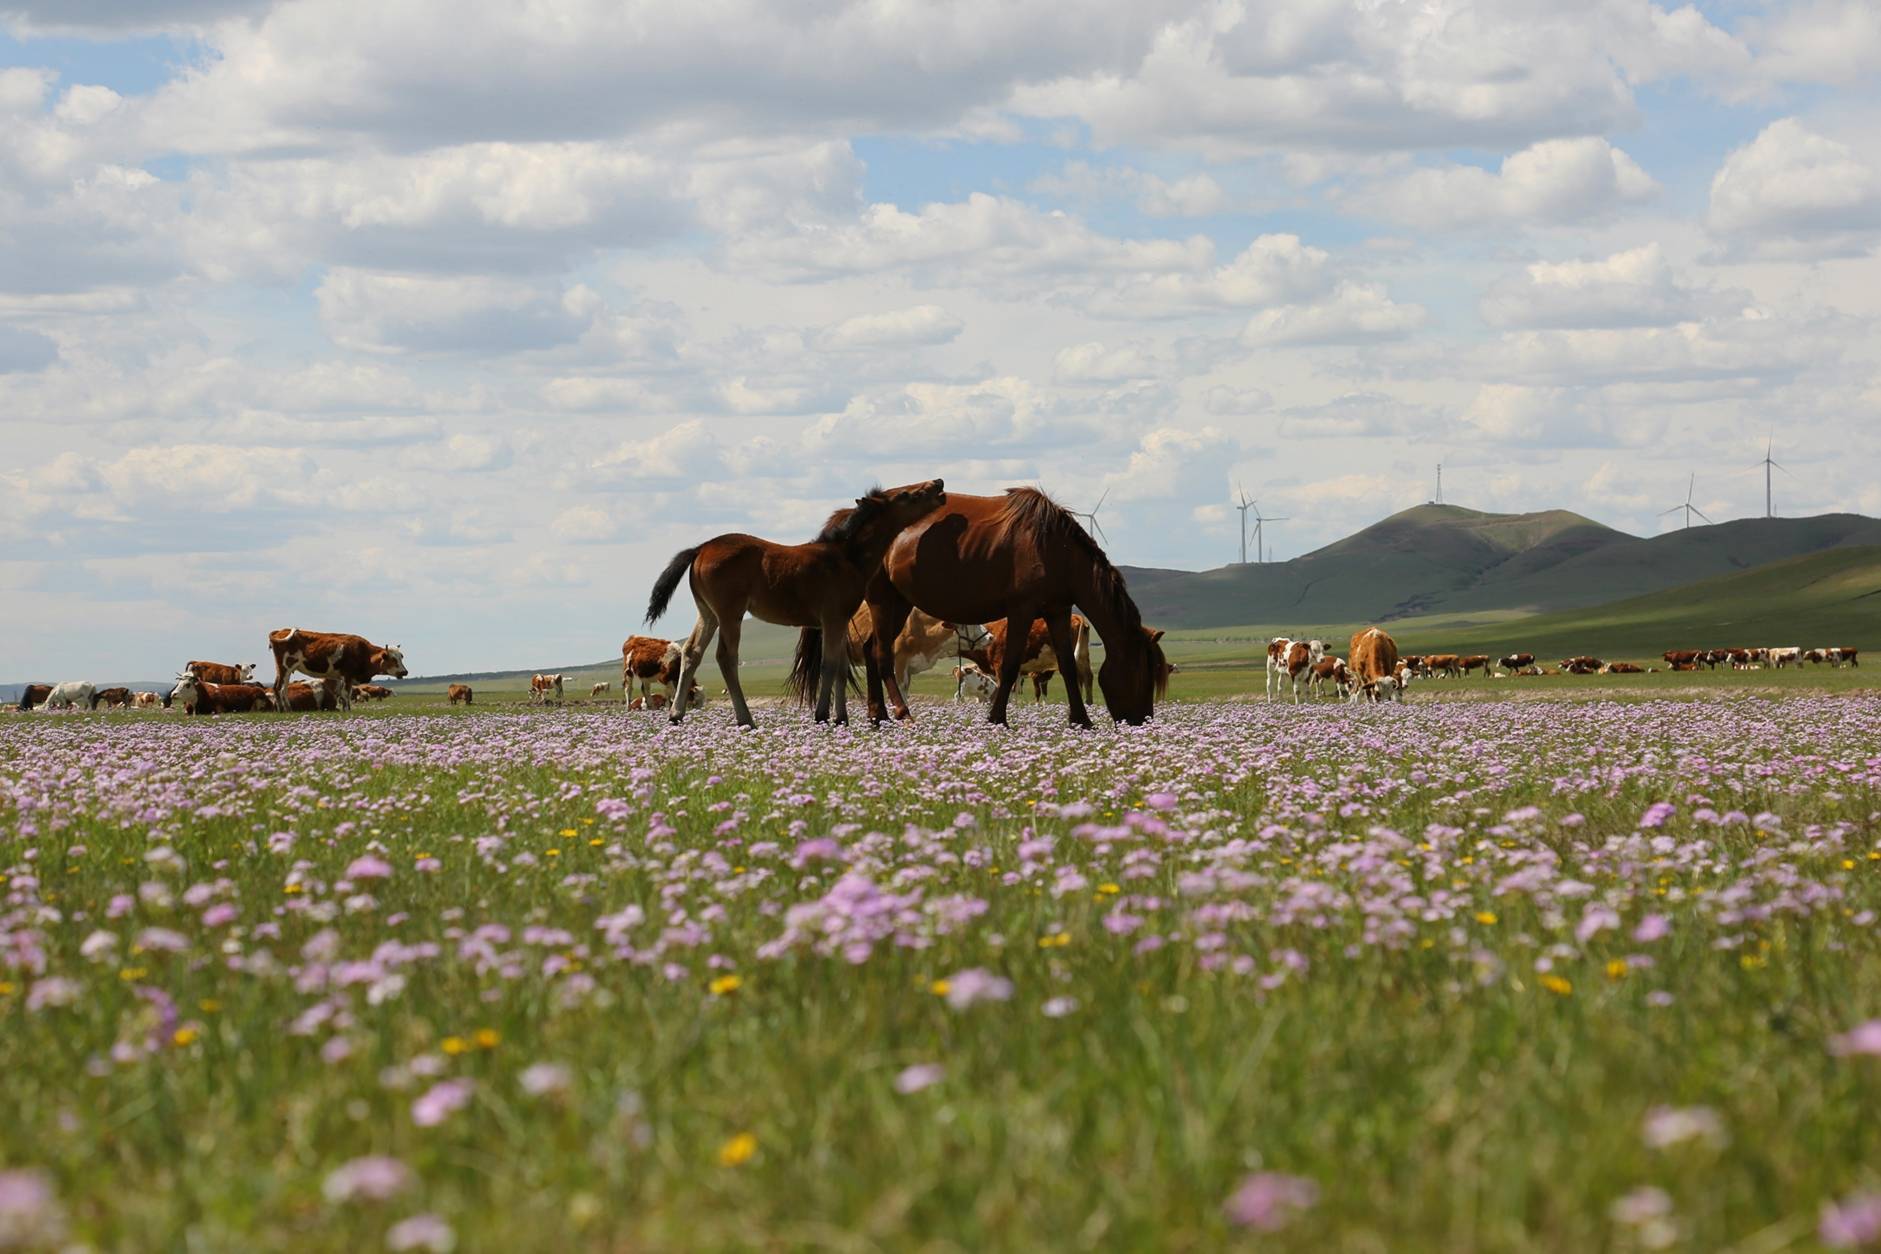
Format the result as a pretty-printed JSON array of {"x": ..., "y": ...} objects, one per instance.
[{"x": 1445, "y": 560}]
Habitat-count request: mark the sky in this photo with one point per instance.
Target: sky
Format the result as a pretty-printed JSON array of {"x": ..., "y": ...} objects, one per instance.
[{"x": 371, "y": 317}]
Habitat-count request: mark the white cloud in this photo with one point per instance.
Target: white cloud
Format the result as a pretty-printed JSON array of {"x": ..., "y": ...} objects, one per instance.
[
  {"x": 394, "y": 313},
  {"x": 1099, "y": 363},
  {"x": 1794, "y": 193},
  {"x": 915, "y": 327},
  {"x": 584, "y": 524},
  {"x": 1353, "y": 313},
  {"x": 1627, "y": 289},
  {"x": 1557, "y": 181},
  {"x": 1190, "y": 196},
  {"x": 476, "y": 452}
]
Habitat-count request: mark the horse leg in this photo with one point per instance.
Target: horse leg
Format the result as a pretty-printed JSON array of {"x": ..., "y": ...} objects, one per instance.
[
  {"x": 835, "y": 669},
  {"x": 890, "y": 616},
  {"x": 1011, "y": 658},
  {"x": 1059, "y": 628},
  {"x": 696, "y": 645},
  {"x": 729, "y": 631}
]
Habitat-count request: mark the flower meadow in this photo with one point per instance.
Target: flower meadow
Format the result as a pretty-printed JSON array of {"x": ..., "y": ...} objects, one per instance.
[{"x": 1543, "y": 975}]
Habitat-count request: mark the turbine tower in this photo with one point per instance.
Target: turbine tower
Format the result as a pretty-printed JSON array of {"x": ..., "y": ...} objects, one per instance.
[
  {"x": 1767, "y": 463},
  {"x": 1688, "y": 507},
  {"x": 1244, "y": 507},
  {"x": 1089, "y": 517},
  {"x": 1260, "y": 522}
]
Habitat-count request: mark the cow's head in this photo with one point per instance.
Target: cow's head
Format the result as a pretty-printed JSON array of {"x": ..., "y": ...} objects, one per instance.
[
  {"x": 188, "y": 688},
  {"x": 391, "y": 661},
  {"x": 248, "y": 672}
]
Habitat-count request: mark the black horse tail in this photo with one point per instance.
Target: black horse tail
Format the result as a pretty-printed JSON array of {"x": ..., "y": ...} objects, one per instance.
[
  {"x": 664, "y": 586},
  {"x": 806, "y": 669}
]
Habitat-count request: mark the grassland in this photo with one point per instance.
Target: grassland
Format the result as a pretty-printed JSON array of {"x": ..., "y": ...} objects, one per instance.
[{"x": 1551, "y": 974}]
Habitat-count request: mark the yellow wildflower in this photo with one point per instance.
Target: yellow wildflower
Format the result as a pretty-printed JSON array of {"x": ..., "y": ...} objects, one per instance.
[
  {"x": 1557, "y": 985},
  {"x": 183, "y": 1036},
  {"x": 209, "y": 1005},
  {"x": 737, "y": 1151},
  {"x": 488, "y": 1038},
  {"x": 1486, "y": 917},
  {"x": 1616, "y": 969},
  {"x": 939, "y": 988},
  {"x": 726, "y": 984},
  {"x": 1109, "y": 890},
  {"x": 132, "y": 973},
  {"x": 455, "y": 1045},
  {"x": 1057, "y": 940},
  {"x": 568, "y": 831}
]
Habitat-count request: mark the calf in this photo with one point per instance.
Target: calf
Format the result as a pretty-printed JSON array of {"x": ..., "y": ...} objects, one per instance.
[
  {"x": 199, "y": 697},
  {"x": 146, "y": 701},
  {"x": 322, "y": 654},
  {"x": 1037, "y": 657},
  {"x": 1330, "y": 670},
  {"x": 457, "y": 693},
  {"x": 970, "y": 679},
  {"x": 649, "y": 660},
  {"x": 600, "y": 688},
  {"x": 371, "y": 692},
  {"x": 222, "y": 672},
  {"x": 541, "y": 686},
  {"x": 111, "y": 698},
  {"x": 304, "y": 697}
]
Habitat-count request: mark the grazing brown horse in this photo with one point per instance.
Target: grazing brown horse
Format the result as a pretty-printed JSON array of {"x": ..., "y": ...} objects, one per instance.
[
  {"x": 816, "y": 586},
  {"x": 1019, "y": 557}
]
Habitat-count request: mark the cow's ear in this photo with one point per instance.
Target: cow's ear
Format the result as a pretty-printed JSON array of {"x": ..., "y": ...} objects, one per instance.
[{"x": 1156, "y": 634}]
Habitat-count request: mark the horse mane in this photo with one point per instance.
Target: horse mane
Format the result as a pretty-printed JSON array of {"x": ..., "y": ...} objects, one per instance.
[
  {"x": 847, "y": 523},
  {"x": 1030, "y": 510}
]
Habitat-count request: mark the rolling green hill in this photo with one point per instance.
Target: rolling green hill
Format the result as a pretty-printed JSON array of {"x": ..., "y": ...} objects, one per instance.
[{"x": 1444, "y": 560}]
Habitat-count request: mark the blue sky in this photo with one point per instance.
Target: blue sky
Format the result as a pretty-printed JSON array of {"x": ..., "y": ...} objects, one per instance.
[{"x": 329, "y": 313}]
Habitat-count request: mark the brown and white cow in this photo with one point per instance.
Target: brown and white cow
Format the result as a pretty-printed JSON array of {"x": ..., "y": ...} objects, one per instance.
[
  {"x": 304, "y": 697},
  {"x": 649, "y": 660},
  {"x": 543, "y": 688},
  {"x": 370, "y": 692},
  {"x": 222, "y": 672},
  {"x": 599, "y": 688},
  {"x": 1787, "y": 655},
  {"x": 1842, "y": 655},
  {"x": 1474, "y": 662},
  {"x": 458, "y": 692},
  {"x": 1373, "y": 660},
  {"x": 1280, "y": 652},
  {"x": 1330, "y": 670},
  {"x": 1622, "y": 668},
  {"x": 111, "y": 698},
  {"x": 320, "y": 654},
  {"x": 1038, "y": 657},
  {"x": 198, "y": 696},
  {"x": 1516, "y": 661},
  {"x": 970, "y": 680},
  {"x": 1446, "y": 664},
  {"x": 145, "y": 701},
  {"x": 1681, "y": 657},
  {"x": 923, "y": 642}
]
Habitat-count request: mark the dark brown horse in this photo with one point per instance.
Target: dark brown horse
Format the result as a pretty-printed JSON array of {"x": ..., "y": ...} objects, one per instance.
[
  {"x": 1019, "y": 557},
  {"x": 816, "y": 585}
]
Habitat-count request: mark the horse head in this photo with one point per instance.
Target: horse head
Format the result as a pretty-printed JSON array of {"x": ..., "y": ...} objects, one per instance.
[{"x": 1134, "y": 676}]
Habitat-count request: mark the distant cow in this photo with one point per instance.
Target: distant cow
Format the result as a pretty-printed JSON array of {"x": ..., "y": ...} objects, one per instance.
[
  {"x": 600, "y": 688},
  {"x": 919, "y": 646},
  {"x": 1622, "y": 668},
  {"x": 371, "y": 692},
  {"x": 34, "y": 694},
  {"x": 542, "y": 686},
  {"x": 146, "y": 700},
  {"x": 1374, "y": 665},
  {"x": 1681, "y": 657},
  {"x": 222, "y": 672},
  {"x": 649, "y": 660},
  {"x": 111, "y": 698},
  {"x": 199, "y": 697},
  {"x": 1474, "y": 662},
  {"x": 1516, "y": 661},
  {"x": 69, "y": 695},
  {"x": 1842, "y": 655},
  {"x": 320, "y": 654},
  {"x": 1789, "y": 655},
  {"x": 458, "y": 693},
  {"x": 1443, "y": 664},
  {"x": 1037, "y": 657}
]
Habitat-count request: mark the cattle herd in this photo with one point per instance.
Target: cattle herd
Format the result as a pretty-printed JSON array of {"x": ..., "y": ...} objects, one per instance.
[{"x": 904, "y": 579}]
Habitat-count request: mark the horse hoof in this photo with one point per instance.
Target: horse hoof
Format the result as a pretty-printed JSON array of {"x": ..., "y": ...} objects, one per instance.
[{"x": 674, "y": 720}]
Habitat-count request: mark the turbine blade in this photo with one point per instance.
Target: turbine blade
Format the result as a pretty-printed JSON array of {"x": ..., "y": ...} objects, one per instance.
[
  {"x": 1099, "y": 528},
  {"x": 1701, "y": 513},
  {"x": 1100, "y": 500},
  {"x": 1675, "y": 509}
]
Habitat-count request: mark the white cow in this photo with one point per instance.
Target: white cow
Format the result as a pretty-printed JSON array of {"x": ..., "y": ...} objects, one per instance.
[
  {"x": 1789, "y": 655},
  {"x": 71, "y": 694}
]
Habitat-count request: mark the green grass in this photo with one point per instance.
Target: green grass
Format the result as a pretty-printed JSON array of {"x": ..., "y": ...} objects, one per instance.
[{"x": 1417, "y": 1066}]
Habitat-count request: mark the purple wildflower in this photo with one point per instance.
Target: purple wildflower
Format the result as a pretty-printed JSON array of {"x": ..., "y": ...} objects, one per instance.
[
  {"x": 921, "y": 1075},
  {"x": 373, "y": 1178},
  {"x": 1268, "y": 1201}
]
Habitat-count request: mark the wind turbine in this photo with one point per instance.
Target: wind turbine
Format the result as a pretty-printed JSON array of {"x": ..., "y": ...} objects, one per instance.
[
  {"x": 1688, "y": 507},
  {"x": 1089, "y": 517},
  {"x": 1260, "y": 521},
  {"x": 1244, "y": 507},
  {"x": 1767, "y": 463}
]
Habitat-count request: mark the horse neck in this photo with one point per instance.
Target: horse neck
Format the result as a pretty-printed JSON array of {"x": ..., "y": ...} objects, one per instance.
[{"x": 1094, "y": 600}]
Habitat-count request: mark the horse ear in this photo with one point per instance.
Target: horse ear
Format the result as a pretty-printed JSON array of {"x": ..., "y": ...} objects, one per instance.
[{"x": 1157, "y": 634}]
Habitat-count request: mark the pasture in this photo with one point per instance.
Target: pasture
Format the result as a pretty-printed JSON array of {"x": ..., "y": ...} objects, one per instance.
[{"x": 1560, "y": 973}]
